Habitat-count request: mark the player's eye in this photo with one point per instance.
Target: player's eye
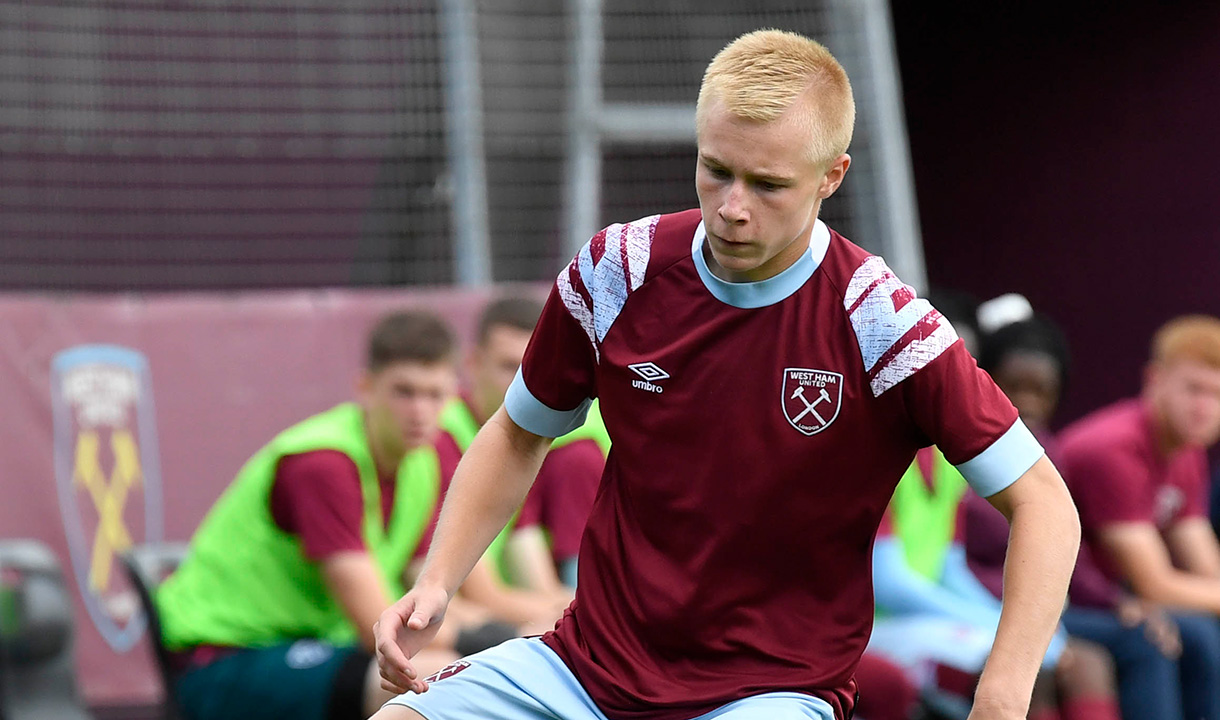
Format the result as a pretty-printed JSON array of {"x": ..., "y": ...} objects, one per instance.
[{"x": 717, "y": 171}]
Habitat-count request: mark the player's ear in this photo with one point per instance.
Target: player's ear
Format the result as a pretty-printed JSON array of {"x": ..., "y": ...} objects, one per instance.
[{"x": 834, "y": 176}]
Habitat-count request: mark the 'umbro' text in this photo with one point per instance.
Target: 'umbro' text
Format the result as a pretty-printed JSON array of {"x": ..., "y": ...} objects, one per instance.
[{"x": 645, "y": 385}]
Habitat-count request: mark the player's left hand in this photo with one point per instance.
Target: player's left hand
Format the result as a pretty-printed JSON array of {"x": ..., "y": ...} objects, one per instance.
[{"x": 404, "y": 629}]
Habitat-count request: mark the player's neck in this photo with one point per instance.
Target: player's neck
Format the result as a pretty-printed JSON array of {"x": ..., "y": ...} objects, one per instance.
[{"x": 385, "y": 460}]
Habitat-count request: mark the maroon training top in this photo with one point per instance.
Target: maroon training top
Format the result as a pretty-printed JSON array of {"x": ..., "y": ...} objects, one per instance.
[
  {"x": 316, "y": 496},
  {"x": 1117, "y": 474},
  {"x": 563, "y": 495}
]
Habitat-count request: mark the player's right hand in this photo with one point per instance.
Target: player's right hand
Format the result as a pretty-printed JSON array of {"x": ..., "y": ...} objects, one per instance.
[
  {"x": 1159, "y": 628},
  {"x": 404, "y": 629}
]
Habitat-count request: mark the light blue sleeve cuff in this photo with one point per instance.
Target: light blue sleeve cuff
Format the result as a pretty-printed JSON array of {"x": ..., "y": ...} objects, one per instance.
[
  {"x": 530, "y": 414},
  {"x": 1006, "y": 460}
]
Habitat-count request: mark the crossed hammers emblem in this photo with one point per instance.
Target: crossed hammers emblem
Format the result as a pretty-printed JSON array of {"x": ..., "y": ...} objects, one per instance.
[
  {"x": 810, "y": 407},
  {"x": 108, "y": 497}
]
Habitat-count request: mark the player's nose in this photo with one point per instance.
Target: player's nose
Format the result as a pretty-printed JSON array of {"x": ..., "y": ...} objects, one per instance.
[{"x": 733, "y": 206}]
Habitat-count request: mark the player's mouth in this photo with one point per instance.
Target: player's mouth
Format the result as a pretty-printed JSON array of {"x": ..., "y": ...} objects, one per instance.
[{"x": 727, "y": 241}]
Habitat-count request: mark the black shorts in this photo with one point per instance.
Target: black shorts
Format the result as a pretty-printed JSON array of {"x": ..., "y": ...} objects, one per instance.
[{"x": 302, "y": 680}]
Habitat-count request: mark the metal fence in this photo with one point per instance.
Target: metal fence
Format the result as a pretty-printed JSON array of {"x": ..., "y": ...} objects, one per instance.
[{"x": 235, "y": 143}]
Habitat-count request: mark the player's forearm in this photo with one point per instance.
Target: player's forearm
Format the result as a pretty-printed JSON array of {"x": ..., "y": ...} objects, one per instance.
[
  {"x": 1044, "y": 541},
  {"x": 355, "y": 583},
  {"x": 509, "y": 604},
  {"x": 489, "y": 484},
  {"x": 1193, "y": 543},
  {"x": 1176, "y": 589}
]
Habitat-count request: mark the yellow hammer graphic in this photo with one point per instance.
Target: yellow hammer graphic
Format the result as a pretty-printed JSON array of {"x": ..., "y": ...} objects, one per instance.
[{"x": 109, "y": 498}]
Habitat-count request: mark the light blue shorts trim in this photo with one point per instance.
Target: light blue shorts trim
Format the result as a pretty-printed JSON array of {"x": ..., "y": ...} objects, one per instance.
[{"x": 523, "y": 679}]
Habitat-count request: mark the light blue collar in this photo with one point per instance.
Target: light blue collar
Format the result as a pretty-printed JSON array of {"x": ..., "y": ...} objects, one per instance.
[{"x": 749, "y": 295}]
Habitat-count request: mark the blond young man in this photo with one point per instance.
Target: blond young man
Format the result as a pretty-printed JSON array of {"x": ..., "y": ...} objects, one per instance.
[{"x": 765, "y": 383}]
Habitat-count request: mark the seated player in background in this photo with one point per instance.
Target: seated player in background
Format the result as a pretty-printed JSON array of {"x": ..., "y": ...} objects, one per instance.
[
  {"x": 272, "y": 611},
  {"x": 1028, "y": 358},
  {"x": 537, "y": 551},
  {"x": 1138, "y": 472},
  {"x": 934, "y": 618}
]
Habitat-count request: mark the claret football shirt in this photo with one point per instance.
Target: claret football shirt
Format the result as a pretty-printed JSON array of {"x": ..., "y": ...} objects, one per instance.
[
  {"x": 1118, "y": 475},
  {"x": 759, "y": 430}
]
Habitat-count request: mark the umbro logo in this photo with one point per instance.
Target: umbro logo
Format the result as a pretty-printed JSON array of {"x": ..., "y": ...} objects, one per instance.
[
  {"x": 649, "y": 371},
  {"x": 649, "y": 374}
]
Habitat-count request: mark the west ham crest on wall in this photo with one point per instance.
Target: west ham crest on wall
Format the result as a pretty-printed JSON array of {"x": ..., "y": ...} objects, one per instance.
[{"x": 106, "y": 467}]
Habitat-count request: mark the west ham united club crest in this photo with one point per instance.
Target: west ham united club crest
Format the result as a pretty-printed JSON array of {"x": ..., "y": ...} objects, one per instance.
[
  {"x": 107, "y": 472},
  {"x": 811, "y": 398}
]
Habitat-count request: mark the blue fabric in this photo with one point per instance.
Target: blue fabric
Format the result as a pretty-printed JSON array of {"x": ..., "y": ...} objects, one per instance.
[
  {"x": 1148, "y": 683},
  {"x": 751, "y": 295},
  {"x": 899, "y": 590},
  {"x": 1003, "y": 462},
  {"x": 523, "y": 679},
  {"x": 959, "y": 596},
  {"x": 1215, "y": 504},
  {"x": 773, "y": 706},
  {"x": 293, "y": 681},
  {"x": 961, "y": 581},
  {"x": 1199, "y": 667},
  {"x": 567, "y": 572},
  {"x": 531, "y": 414}
]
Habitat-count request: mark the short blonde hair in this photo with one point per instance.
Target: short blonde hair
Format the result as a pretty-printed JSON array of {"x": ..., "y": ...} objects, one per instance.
[
  {"x": 761, "y": 74},
  {"x": 1190, "y": 337}
]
